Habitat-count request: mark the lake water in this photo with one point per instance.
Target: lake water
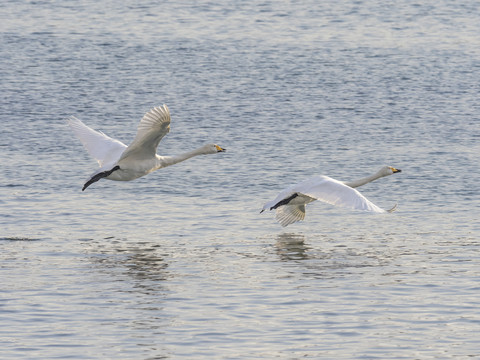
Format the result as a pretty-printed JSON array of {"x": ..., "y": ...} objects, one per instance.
[{"x": 180, "y": 264}]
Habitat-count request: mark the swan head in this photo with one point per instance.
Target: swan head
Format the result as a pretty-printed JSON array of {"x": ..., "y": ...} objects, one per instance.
[
  {"x": 212, "y": 149},
  {"x": 388, "y": 170}
]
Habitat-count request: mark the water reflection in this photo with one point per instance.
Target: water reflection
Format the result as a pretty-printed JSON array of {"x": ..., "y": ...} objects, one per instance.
[
  {"x": 132, "y": 275},
  {"x": 324, "y": 257},
  {"x": 291, "y": 246},
  {"x": 140, "y": 266}
]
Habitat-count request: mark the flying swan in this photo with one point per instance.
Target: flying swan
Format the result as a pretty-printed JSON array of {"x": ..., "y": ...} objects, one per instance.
[
  {"x": 290, "y": 203},
  {"x": 124, "y": 163}
]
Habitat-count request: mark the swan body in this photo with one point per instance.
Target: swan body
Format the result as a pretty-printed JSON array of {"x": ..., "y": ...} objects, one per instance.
[
  {"x": 290, "y": 203},
  {"x": 120, "y": 162}
]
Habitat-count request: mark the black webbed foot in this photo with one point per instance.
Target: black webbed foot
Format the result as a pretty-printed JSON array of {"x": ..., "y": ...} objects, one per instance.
[
  {"x": 284, "y": 201},
  {"x": 99, "y": 176}
]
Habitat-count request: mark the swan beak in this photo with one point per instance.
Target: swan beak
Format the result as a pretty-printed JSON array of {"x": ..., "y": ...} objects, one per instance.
[
  {"x": 219, "y": 149},
  {"x": 395, "y": 170}
]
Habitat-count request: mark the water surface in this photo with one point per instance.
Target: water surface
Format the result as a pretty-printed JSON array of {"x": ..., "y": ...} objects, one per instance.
[{"x": 180, "y": 264}]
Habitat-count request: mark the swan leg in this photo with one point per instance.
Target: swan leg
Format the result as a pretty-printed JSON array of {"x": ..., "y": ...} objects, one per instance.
[
  {"x": 392, "y": 209},
  {"x": 284, "y": 201},
  {"x": 99, "y": 176}
]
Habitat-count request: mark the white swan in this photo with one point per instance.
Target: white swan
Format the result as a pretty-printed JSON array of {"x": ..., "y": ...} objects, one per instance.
[
  {"x": 290, "y": 203},
  {"x": 123, "y": 163}
]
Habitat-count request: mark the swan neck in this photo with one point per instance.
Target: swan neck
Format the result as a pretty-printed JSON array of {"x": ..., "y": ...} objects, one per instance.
[
  {"x": 172, "y": 160},
  {"x": 365, "y": 180}
]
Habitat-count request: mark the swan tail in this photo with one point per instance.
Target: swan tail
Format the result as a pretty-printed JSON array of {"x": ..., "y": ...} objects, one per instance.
[{"x": 288, "y": 214}]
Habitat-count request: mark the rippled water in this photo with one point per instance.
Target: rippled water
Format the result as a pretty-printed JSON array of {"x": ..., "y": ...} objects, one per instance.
[{"x": 180, "y": 264}]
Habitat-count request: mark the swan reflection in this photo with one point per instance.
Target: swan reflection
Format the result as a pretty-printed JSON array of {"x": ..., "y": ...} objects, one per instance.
[
  {"x": 291, "y": 246},
  {"x": 323, "y": 257},
  {"x": 140, "y": 265}
]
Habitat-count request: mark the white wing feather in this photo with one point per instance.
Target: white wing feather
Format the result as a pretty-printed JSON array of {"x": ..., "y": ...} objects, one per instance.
[
  {"x": 288, "y": 214},
  {"x": 101, "y": 147},
  {"x": 335, "y": 192},
  {"x": 154, "y": 125}
]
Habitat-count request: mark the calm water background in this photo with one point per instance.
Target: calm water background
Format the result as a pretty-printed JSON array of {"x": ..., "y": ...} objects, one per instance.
[{"x": 179, "y": 264}]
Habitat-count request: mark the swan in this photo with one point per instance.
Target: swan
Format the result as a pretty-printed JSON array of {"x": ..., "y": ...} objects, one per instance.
[
  {"x": 290, "y": 202},
  {"x": 124, "y": 163}
]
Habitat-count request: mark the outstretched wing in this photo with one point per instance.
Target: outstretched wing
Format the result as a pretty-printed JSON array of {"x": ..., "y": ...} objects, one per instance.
[
  {"x": 334, "y": 192},
  {"x": 288, "y": 214},
  {"x": 101, "y": 147},
  {"x": 154, "y": 125}
]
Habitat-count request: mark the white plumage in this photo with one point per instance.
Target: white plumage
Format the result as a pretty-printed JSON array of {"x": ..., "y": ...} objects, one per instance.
[
  {"x": 124, "y": 163},
  {"x": 290, "y": 203}
]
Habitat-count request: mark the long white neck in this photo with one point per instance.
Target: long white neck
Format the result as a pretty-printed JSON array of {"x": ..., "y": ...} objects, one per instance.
[
  {"x": 164, "y": 161},
  {"x": 365, "y": 180}
]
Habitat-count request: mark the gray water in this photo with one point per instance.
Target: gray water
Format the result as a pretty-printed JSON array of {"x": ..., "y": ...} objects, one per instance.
[{"x": 180, "y": 264}]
